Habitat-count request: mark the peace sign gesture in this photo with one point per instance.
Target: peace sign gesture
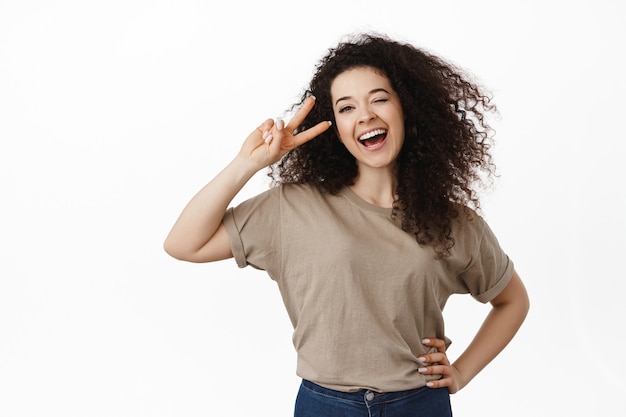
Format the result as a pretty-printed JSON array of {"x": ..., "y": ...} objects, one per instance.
[{"x": 272, "y": 140}]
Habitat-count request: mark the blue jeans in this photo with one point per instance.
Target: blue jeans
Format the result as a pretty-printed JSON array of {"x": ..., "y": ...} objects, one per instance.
[{"x": 316, "y": 401}]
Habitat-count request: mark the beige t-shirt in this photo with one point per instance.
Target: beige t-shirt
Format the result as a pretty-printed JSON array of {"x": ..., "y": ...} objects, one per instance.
[{"x": 360, "y": 292}]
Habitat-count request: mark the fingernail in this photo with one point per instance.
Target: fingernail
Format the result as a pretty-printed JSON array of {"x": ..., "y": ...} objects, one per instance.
[
  {"x": 421, "y": 359},
  {"x": 280, "y": 124},
  {"x": 425, "y": 341},
  {"x": 269, "y": 139},
  {"x": 313, "y": 97},
  {"x": 330, "y": 123},
  {"x": 265, "y": 134},
  {"x": 422, "y": 369},
  {"x": 430, "y": 384}
]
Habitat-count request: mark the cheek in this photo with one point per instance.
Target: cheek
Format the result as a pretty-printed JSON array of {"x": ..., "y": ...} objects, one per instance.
[
  {"x": 402, "y": 135},
  {"x": 342, "y": 130}
]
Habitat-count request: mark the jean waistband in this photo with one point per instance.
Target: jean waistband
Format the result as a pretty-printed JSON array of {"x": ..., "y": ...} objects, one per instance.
[{"x": 362, "y": 396}]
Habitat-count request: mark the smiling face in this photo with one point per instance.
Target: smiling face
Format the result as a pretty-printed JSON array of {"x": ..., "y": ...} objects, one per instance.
[{"x": 369, "y": 117}]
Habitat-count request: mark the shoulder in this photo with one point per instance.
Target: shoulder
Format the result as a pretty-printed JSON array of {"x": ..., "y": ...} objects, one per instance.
[
  {"x": 301, "y": 192},
  {"x": 469, "y": 230},
  {"x": 284, "y": 194},
  {"x": 467, "y": 221},
  {"x": 473, "y": 237}
]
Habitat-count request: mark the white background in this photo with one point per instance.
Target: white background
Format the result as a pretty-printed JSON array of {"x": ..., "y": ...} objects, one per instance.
[{"x": 114, "y": 113}]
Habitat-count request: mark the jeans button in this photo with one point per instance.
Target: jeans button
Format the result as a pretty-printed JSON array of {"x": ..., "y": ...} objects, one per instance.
[{"x": 369, "y": 396}]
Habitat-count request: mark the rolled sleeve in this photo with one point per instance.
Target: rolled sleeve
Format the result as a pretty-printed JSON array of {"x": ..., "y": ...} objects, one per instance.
[
  {"x": 496, "y": 289},
  {"x": 490, "y": 268},
  {"x": 254, "y": 230},
  {"x": 236, "y": 244}
]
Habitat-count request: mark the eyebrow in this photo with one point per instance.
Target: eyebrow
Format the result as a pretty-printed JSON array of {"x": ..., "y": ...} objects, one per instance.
[{"x": 374, "y": 91}]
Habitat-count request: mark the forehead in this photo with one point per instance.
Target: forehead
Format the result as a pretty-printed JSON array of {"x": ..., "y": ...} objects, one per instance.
[{"x": 359, "y": 79}]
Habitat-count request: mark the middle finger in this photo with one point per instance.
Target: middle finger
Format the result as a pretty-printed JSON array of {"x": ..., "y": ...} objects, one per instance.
[
  {"x": 434, "y": 357},
  {"x": 301, "y": 114}
]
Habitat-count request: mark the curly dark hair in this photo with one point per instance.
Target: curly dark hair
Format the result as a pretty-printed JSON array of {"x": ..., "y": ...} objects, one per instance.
[{"x": 446, "y": 151}]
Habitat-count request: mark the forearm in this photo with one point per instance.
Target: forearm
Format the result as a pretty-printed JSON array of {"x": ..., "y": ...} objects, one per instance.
[
  {"x": 197, "y": 236},
  {"x": 500, "y": 326},
  {"x": 202, "y": 216}
]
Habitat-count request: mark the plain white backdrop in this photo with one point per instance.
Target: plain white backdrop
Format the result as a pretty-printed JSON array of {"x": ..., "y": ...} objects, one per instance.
[{"x": 114, "y": 113}]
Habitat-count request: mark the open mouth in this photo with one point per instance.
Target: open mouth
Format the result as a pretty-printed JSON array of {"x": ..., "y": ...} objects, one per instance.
[{"x": 373, "y": 139}]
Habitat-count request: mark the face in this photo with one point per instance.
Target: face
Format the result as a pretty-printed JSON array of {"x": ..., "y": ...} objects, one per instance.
[{"x": 369, "y": 117}]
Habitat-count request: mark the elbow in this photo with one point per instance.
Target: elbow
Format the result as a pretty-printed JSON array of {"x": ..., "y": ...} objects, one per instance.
[
  {"x": 514, "y": 298},
  {"x": 526, "y": 306},
  {"x": 526, "y": 302},
  {"x": 523, "y": 300},
  {"x": 522, "y": 304},
  {"x": 202, "y": 255},
  {"x": 170, "y": 250},
  {"x": 174, "y": 250},
  {"x": 215, "y": 249}
]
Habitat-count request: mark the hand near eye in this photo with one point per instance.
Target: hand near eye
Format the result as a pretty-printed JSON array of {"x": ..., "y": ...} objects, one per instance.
[
  {"x": 438, "y": 364},
  {"x": 270, "y": 141}
]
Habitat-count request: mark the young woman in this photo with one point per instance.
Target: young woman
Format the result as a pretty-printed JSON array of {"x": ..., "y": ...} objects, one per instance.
[{"x": 369, "y": 227}]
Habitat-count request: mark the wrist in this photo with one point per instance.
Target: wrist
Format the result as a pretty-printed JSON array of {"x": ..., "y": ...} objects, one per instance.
[
  {"x": 463, "y": 377},
  {"x": 244, "y": 167}
]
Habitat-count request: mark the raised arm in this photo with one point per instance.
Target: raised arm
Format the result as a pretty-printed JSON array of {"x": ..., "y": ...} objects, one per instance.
[{"x": 199, "y": 235}]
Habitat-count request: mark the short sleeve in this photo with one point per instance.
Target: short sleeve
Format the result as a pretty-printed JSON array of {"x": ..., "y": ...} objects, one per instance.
[
  {"x": 489, "y": 269},
  {"x": 254, "y": 230}
]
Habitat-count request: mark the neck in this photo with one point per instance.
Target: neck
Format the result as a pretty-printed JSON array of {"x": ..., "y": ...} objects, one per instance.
[{"x": 376, "y": 186}]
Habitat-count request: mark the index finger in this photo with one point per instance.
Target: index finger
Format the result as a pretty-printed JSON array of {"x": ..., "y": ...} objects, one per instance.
[
  {"x": 310, "y": 133},
  {"x": 437, "y": 343}
]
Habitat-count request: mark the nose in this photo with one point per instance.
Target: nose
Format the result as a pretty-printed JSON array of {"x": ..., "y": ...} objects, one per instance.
[{"x": 366, "y": 114}]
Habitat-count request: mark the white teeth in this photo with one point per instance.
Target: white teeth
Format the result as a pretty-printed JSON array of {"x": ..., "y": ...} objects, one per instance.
[{"x": 371, "y": 134}]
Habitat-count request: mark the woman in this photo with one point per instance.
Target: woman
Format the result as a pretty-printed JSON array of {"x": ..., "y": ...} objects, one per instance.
[{"x": 368, "y": 229}]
